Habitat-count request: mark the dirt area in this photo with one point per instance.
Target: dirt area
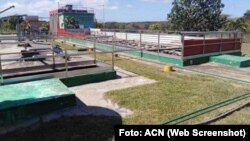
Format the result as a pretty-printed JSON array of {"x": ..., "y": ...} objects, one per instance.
[{"x": 242, "y": 74}]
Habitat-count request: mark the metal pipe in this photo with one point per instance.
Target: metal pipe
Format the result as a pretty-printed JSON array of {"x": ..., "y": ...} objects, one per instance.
[
  {"x": 204, "y": 43},
  {"x": 211, "y": 44},
  {"x": 13, "y": 6},
  {"x": 113, "y": 55},
  {"x": 53, "y": 55},
  {"x": 221, "y": 36},
  {"x": 208, "y": 33},
  {"x": 66, "y": 63},
  {"x": 223, "y": 115},
  {"x": 207, "y": 109},
  {"x": 1, "y": 71},
  {"x": 182, "y": 43},
  {"x": 94, "y": 51},
  {"x": 140, "y": 44},
  {"x": 126, "y": 35},
  {"x": 159, "y": 42},
  {"x": 235, "y": 41}
]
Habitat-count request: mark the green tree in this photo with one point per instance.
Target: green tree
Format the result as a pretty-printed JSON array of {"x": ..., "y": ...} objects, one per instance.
[
  {"x": 98, "y": 25},
  {"x": 122, "y": 26},
  {"x": 155, "y": 26},
  {"x": 10, "y": 23},
  {"x": 132, "y": 26},
  {"x": 45, "y": 25},
  {"x": 236, "y": 25},
  {"x": 247, "y": 15},
  {"x": 197, "y": 15}
]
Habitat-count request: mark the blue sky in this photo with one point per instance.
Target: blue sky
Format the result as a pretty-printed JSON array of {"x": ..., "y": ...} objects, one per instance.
[{"x": 116, "y": 10}]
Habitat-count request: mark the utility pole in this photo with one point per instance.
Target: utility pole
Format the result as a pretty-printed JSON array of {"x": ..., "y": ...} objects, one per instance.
[
  {"x": 103, "y": 15},
  {"x": 7, "y": 9},
  {"x": 103, "y": 8}
]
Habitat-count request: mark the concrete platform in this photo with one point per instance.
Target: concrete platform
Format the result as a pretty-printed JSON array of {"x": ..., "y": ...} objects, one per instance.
[
  {"x": 19, "y": 102},
  {"x": 49, "y": 74},
  {"x": 89, "y": 101},
  {"x": 231, "y": 60},
  {"x": 216, "y": 69}
]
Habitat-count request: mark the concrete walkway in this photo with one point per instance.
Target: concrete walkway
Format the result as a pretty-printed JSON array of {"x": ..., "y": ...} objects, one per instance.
[
  {"x": 94, "y": 94},
  {"x": 91, "y": 97}
]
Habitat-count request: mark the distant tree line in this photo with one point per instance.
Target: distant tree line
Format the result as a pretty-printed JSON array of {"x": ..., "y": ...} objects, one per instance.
[
  {"x": 160, "y": 25},
  {"x": 191, "y": 15},
  {"x": 12, "y": 23},
  {"x": 8, "y": 24},
  {"x": 186, "y": 15}
]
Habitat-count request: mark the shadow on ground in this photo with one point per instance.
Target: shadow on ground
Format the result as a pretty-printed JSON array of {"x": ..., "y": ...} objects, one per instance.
[{"x": 97, "y": 126}]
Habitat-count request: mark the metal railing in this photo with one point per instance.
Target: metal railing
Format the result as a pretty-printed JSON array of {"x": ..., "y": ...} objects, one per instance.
[
  {"x": 222, "y": 38},
  {"x": 159, "y": 41},
  {"x": 66, "y": 55}
]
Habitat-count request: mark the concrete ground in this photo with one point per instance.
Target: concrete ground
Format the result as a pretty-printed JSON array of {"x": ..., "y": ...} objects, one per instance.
[
  {"x": 241, "y": 74},
  {"x": 91, "y": 101},
  {"x": 93, "y": 95}
]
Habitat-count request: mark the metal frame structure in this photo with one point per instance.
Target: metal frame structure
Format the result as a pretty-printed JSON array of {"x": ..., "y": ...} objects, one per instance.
[
  {"x": 90, "y": 51},
  {"x": 111, "y": 45},
  {"x": 162, "y": 41},
  {"x": 237, "y": 39}
]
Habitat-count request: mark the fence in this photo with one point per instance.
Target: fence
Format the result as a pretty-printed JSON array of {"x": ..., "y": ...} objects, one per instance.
[
  {"x": 184, "y": 44},
  {"x": 48, "y": 61}
]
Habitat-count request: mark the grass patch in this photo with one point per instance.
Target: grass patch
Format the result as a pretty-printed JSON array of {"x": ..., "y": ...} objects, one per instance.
[{"x": 172, "y": 95}]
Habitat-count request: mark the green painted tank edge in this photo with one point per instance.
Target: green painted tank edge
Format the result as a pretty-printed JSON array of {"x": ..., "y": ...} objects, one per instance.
[
  {"x": 229, "y": 62},
  {"x": 33, "y": 110},
  {"x": 89, "y": 78},
  {"x": 168, "y": 60}
]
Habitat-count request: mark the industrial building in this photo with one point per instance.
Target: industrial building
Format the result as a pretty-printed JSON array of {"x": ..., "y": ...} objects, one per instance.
[{"x": 71, "y": 21}]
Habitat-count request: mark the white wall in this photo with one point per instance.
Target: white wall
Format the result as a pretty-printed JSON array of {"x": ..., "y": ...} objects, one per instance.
[{"x": 165, "y": 39}]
